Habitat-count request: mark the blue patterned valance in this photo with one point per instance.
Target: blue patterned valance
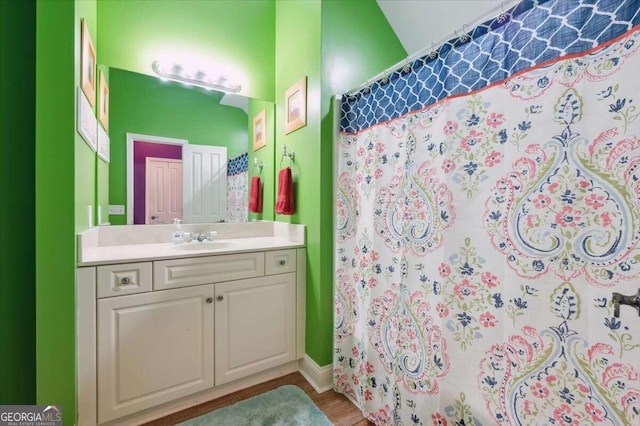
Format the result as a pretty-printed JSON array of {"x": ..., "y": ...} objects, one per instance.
[
  {"x": 238, "y": 164},
  {"x": 531, "y": 33}
]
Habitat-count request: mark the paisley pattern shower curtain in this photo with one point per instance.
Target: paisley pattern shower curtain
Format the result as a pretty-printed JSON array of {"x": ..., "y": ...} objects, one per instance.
[
  {"x": 488, "y": 204},
  {"x": 237, "y": 193}
]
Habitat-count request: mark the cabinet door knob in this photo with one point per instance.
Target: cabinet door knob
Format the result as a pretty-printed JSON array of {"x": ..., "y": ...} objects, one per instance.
[
  {"x": 220, "y": 298},
  {"x": 125, "y": 280},
  {"x": 209, "y": 299},
  {"x": 282, "y": 262}
]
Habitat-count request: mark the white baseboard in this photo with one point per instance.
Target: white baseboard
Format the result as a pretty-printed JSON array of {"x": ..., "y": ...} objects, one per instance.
[{"x": 321, "y": 378}]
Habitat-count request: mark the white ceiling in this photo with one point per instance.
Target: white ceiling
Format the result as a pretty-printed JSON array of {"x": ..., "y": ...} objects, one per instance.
[{"x": 418, "y": 23}]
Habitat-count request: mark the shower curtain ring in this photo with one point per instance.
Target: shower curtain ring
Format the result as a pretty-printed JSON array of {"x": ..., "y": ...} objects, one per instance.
[
  {"x": 432, "y": 54},
  {"x": 464, "y": 37},
  {"x": 503, "y": 15}
]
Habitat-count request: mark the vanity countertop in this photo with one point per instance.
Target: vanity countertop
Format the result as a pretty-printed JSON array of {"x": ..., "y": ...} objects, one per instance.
[{"x": 109, "y": 245}]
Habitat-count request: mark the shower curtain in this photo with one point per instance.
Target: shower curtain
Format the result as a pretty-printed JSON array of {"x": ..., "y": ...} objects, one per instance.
[
  {"x": 488, "y": 205},
  {"x": 237, "y": 193}
]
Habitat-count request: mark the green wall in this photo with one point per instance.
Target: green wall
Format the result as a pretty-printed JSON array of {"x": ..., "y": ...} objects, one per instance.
[
  {"x": 233, "y": 34},
  {"x": 298, "y": 55},
  {"x": 102, "y": 190},
  {"x": 17, "y": 202},
  {"x": 147, "y": 105},
  {"x": 324, "y": 41},
  {"x": 102, "y": 169},
  {"x": 85, "y": 156},
  {"x": 57, "y": 44}
]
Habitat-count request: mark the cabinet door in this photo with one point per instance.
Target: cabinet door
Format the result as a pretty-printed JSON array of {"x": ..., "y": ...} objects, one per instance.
[
  {"x": 153, "y": 348},
  {"x": 255, "y": 325}
]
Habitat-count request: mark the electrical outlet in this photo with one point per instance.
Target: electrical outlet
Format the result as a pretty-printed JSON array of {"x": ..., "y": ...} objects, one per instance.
[{"x": 116, "y": 210}]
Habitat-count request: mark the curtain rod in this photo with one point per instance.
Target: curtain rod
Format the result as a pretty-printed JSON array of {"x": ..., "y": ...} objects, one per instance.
[{"x": 501, "y": 9}]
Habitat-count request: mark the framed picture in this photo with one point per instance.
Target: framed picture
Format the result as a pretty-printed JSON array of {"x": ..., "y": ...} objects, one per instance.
[
  {"x": 88, "y": 65},
  {"x": 103, "y": 107},
  {"x": 296, "y": 106},
  {"x": 103, "y": 144},
  {"x": 260, "y": 130},
  {"x": 86, "y": 122}
]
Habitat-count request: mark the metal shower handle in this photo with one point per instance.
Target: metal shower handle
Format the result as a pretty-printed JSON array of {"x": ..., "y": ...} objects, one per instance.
[{"x": 619, "y": 299}]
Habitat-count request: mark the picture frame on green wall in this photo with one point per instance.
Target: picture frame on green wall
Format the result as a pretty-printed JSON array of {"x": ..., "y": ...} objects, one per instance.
[
  {"x": 295, "y": 102},
  {"x": 87, "y": 64},
  {"x": 103, "y": 105},
  {"x": 103, "y": 145},
  {"x": 86, "y": 122},
  {"x": 260, "y": 130}
]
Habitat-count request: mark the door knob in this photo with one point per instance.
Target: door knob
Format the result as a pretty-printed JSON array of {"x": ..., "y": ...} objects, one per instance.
[
  {"x": 209, "y": 299},
  {"x": 154, "y": 217},
  {"x": 619, "y": 299},
  {"x": 220, "y": 298}
]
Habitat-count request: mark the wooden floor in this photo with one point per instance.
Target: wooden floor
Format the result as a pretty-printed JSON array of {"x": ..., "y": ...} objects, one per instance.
[{"x": 339, "y": 410}]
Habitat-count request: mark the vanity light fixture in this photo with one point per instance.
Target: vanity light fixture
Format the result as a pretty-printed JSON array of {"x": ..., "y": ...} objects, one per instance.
[{"x": 199, "y": 78}]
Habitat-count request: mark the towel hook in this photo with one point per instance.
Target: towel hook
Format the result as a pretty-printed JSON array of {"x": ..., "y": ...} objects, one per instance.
[
  {"x": 258, "y": 165},
  {"x": 289, "y": 154}
]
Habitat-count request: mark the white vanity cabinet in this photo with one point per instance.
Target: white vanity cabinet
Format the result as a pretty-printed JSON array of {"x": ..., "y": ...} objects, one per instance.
[
  {"x": 161, "y": 335},
  {"x": 255, "y": 325},
  {"x": 153, "y": 348}
]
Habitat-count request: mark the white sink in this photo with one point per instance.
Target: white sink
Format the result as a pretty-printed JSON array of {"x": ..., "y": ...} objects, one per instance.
[{"x": 207, "y": 245}]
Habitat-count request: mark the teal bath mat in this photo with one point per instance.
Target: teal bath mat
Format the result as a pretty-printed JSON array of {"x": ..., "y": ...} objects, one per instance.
[{"x": 285, "y": 406}]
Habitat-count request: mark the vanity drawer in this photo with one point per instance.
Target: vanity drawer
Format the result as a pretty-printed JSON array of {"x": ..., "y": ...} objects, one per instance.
[
  {"x": 206, "y": 270},
  {"x": 128, "y": 278},
  {"x": 280, "y": 262}
]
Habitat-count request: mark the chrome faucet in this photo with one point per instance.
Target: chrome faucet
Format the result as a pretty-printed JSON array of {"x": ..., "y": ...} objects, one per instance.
[
  {"x": 202, "y": 237},
  {"x": 205, "y": 236}
]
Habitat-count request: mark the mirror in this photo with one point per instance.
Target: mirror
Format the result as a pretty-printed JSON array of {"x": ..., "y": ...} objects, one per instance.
[{"x": 154, "y": 128}]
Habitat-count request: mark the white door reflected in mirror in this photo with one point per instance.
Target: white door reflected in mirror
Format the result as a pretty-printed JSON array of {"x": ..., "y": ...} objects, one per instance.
[
  {"x": 194, "y": 192},
  {"x": 204, "y": 183},
  {"x": 163, "y": 190}
]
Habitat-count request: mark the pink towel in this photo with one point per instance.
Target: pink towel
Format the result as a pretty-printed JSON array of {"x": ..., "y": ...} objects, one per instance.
[
  {"x": 255, "y": 196},
  {"x": 284, "y": 202}
]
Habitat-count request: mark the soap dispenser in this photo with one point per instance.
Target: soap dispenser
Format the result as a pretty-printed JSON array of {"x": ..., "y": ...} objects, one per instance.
[{"x": 178, "y": 235}]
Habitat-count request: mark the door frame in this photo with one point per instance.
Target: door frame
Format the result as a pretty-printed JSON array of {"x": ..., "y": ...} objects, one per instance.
[{"x": 131, "y": 138}]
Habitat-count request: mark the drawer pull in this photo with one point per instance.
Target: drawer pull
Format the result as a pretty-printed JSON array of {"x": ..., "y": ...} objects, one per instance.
[
  {"x": 125, "y": 281},
  {"x": 282, "y": 262},
  {"x": 209, "y": 299},
  {"x": 220, "y": 298}
]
